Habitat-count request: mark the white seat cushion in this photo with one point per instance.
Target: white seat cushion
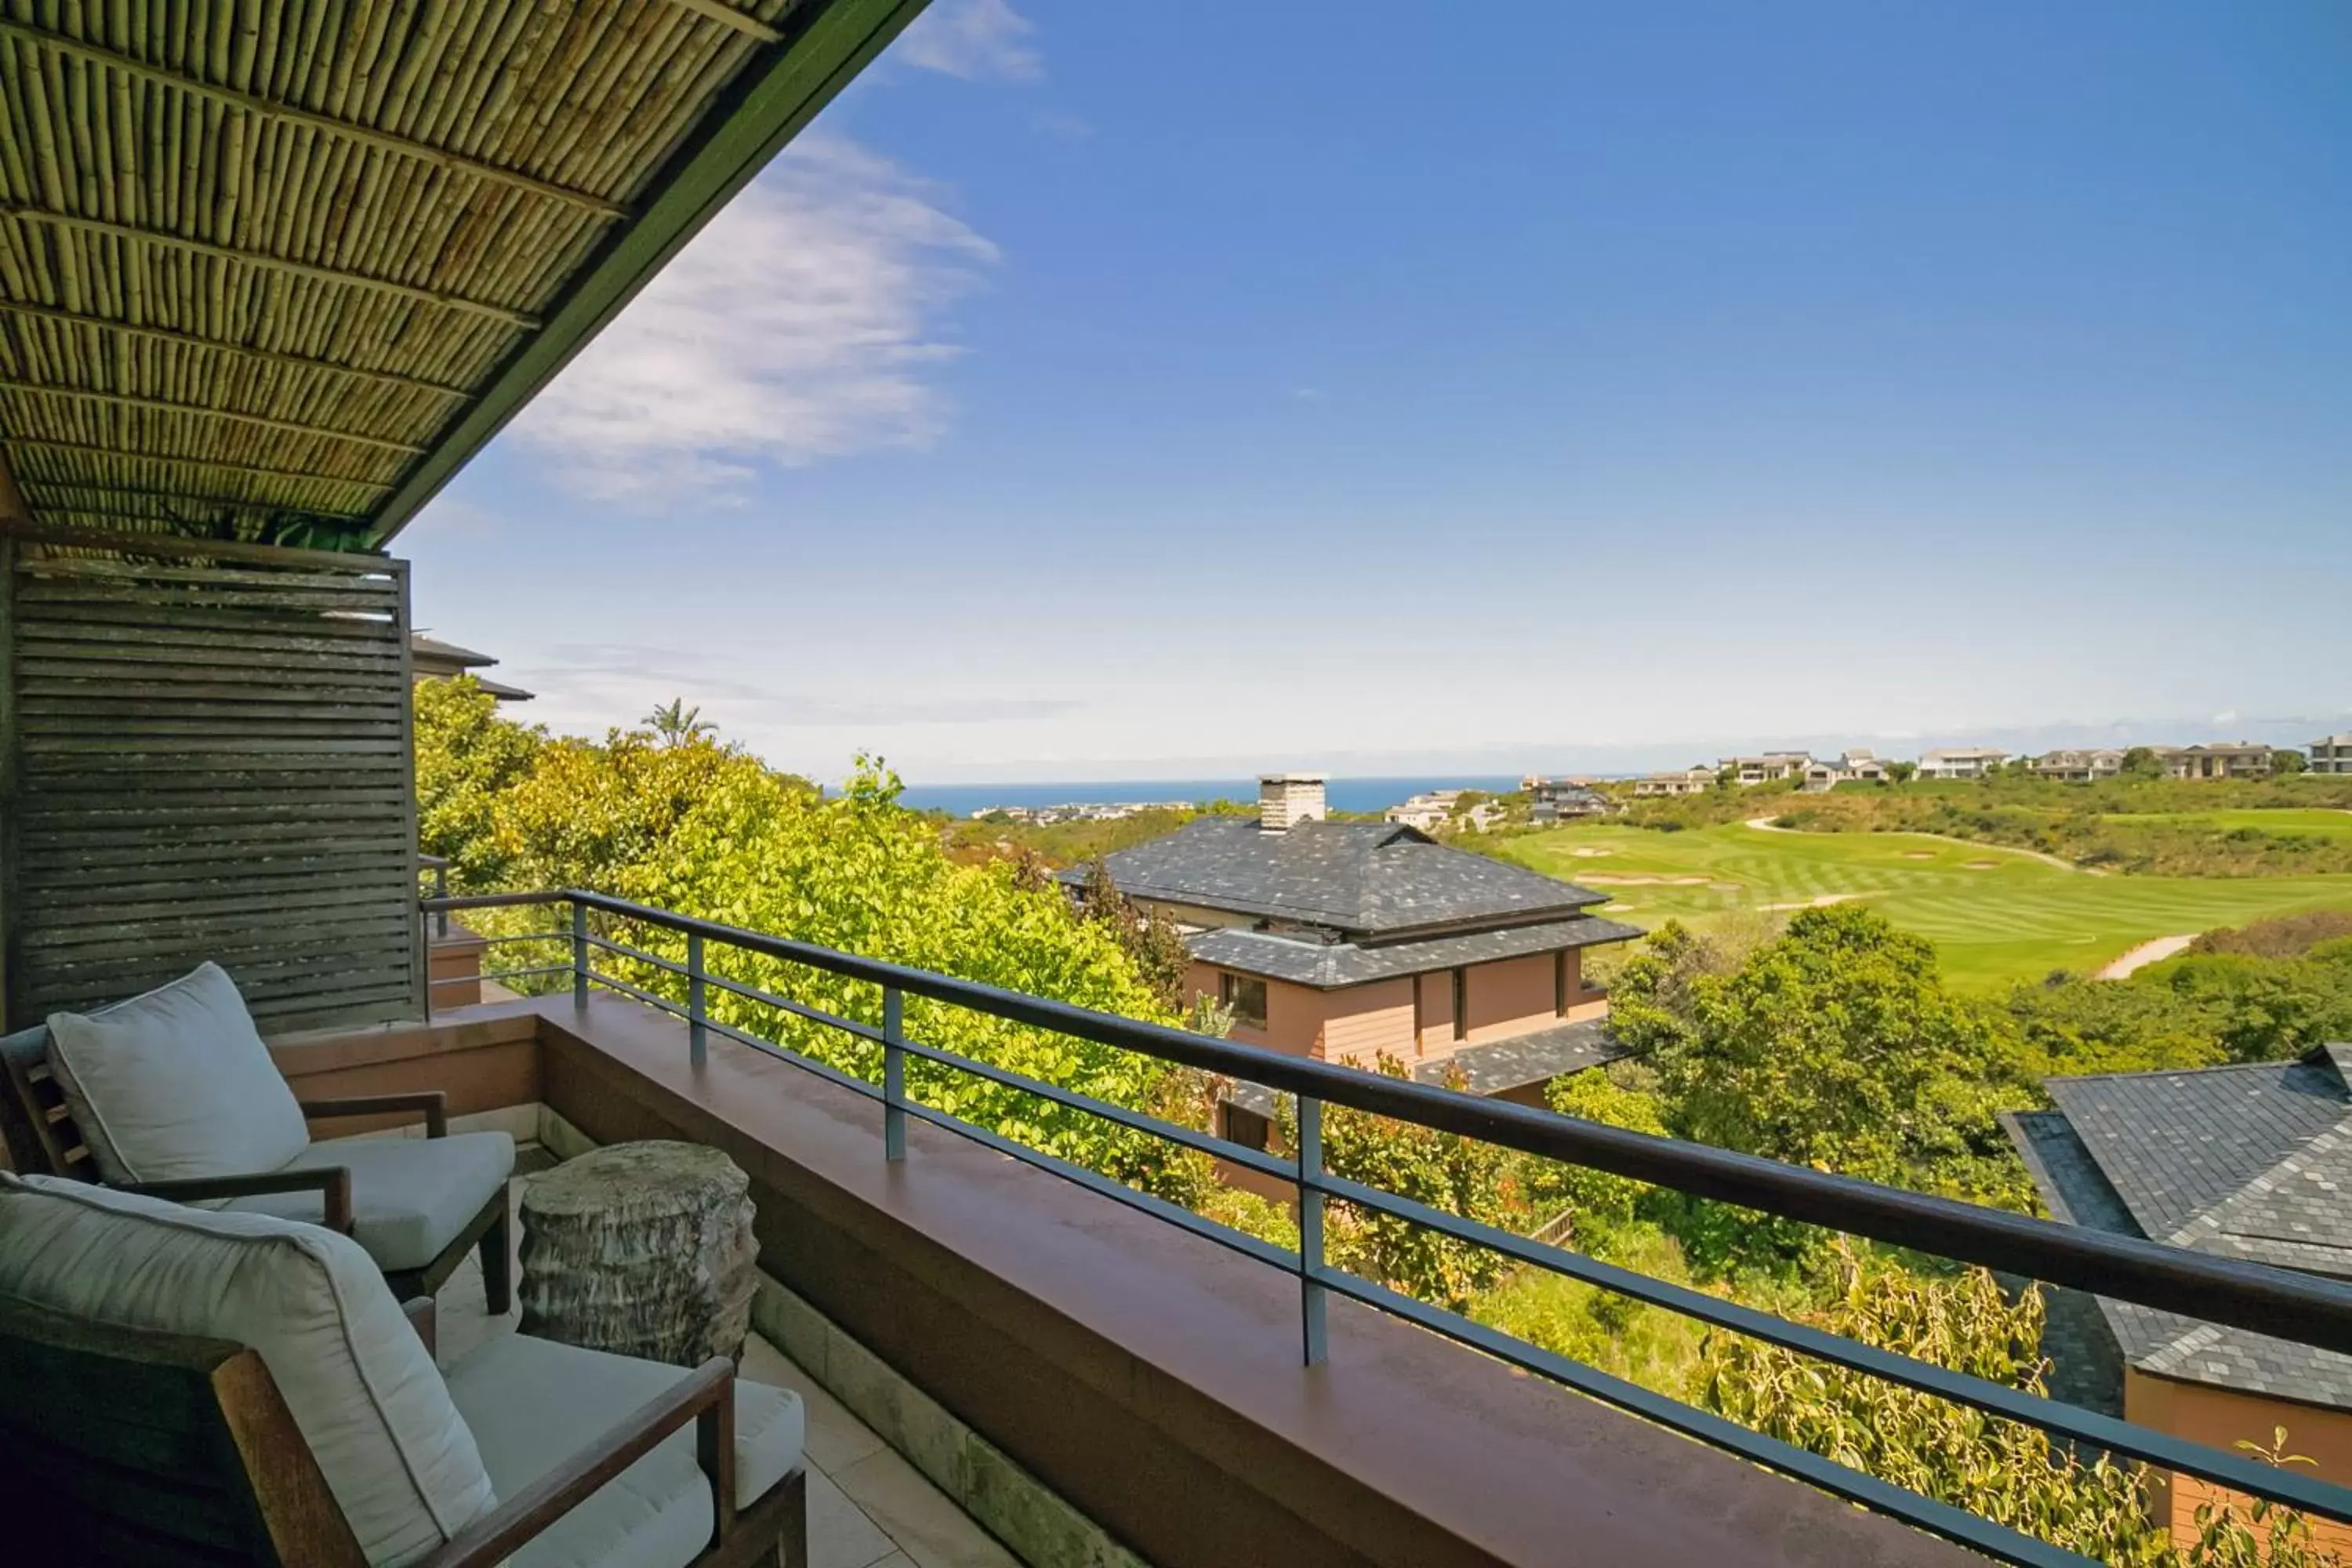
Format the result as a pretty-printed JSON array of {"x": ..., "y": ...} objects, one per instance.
[
  {"x": 532, "y": 1403},
  {"x": 399, "y": 1460},
  {"x": 409, "y": 1197},
  {"x": 176, "y": 1083}
]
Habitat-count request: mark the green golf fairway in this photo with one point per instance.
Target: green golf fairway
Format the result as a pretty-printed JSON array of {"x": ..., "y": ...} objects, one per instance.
[{"x": 1995, "y": 915}]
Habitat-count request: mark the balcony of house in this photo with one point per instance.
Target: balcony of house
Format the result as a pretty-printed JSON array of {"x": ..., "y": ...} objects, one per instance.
[{"x": 1008, "y": 1355}]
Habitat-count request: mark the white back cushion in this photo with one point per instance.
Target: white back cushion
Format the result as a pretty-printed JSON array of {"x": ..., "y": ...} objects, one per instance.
[
  {"x": 176, "y": 1083},
  {"x": 396, "y": 1454}
]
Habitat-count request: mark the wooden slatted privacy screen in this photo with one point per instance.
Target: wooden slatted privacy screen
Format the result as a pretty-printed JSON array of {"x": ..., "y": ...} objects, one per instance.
[{"x": 205, "y": 753}]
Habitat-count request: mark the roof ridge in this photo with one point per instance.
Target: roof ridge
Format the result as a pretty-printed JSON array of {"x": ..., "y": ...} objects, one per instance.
[
  {"x": 2208, "y": 1222},
  {"x": 2172, "y": 1072}
]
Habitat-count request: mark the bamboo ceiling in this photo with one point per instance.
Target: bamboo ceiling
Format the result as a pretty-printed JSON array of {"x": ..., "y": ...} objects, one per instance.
[{"x": 272, "y": 269}]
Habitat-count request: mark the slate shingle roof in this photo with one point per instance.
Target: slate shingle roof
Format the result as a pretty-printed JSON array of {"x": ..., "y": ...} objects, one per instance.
[
  {"x": 2250, "y": 1162},
  {"x": 2176, "y": 1143},
  {"x": 1359, "y": 877},
  {"x": 1526, "y": 1059},
  {"x": 1490, "y": 1068},
  {"x": 1328, "y": 965}
]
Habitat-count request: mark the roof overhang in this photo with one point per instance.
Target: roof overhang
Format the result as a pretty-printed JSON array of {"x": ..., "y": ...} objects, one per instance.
[{"x": 294, "y": 278}]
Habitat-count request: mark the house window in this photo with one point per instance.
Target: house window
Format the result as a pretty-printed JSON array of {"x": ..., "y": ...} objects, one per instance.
[
  {"x": 1245, "y": 995},
  {"x": 1247, "y": 1128},
  {"x": 1461, "y": 1004}
]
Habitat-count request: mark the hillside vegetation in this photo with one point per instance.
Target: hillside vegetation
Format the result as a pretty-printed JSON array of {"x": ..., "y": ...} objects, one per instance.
[{"x": 2288, "y": 826}]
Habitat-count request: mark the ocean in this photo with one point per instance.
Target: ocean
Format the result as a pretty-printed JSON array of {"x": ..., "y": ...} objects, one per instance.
[{"x": 1343, "y": 794}]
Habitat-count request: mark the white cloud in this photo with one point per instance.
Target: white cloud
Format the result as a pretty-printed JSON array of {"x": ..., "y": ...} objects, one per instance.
[
  {"x": 978, "y": 40},
  {"x": 800, "y": 325}
]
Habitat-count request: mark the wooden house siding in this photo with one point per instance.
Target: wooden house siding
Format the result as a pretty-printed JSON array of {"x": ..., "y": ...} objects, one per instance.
[
  {"x": 1363, "y": 1021},
  {"x": 205, "y": 753}
]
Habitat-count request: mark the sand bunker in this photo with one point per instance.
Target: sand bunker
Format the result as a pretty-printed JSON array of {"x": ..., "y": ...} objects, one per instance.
[
  {"x": 1647, "y": 882},
  {"x": 1919, "y": 853},
  {"x": 1818, "y": 901},
  {"x": 1588, "y": 852},
  {"x": 1981, "y": 865}
]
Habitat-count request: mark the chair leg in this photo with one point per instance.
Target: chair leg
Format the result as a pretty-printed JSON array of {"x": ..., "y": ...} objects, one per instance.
[
  {"x": 497, "y": 1259},
  {"x": 792, "y": 1551}
]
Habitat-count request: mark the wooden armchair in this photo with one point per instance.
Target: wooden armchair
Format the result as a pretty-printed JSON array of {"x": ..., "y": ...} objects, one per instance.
[
  {"x": 133, "y": 1447},
  {"x": 38, "y": 1126}
]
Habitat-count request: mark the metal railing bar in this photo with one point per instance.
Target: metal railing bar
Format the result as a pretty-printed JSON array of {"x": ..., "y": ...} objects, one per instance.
[
  {"x": 598, "y": 977},
  {"x": 866, "y": 1032},
  {"x": 2275, "y": 1482},
  {"x": 488, "y": 901},
  {"x": 502, "y": 974},
  {"x": 527, "y": 936},
  {"x": 1973, "y": 1530},
  {"x": 825, "y": 1070},
  {"x": 1207, "y": 1143},
  {"x": 1095, "y": 1181},
  {"x": 625, "y": 951},
  {"x": 2254, "y": 1296},
  {"x": 2259, "y": 1297}
]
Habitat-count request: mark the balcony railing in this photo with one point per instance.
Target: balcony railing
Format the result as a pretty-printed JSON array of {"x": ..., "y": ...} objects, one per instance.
[{"x": 2278, "y": 1302}]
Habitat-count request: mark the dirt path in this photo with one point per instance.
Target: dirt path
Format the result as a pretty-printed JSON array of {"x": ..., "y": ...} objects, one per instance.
[
  {"x": 1766, "y": 825},
  {"x": 2145, "y": 953}
]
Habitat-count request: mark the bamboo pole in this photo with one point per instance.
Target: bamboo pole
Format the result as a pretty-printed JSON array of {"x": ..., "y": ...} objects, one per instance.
[{"x": 276, "y": 263}]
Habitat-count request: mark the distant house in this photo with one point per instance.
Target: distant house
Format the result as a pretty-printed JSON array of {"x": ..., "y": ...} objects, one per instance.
[
  {"x": 1559, "y": 800},
  {"x": 2332, "y": 754},
  {"x": 2249, "y": 1163},
  {"x": 1962, "y": 762},
  {"x": 1855, "y": 766},
  {"x": 430, "y": 659},
  {"x": 1347, "y": 940},
  {"x": 1426, "y": 812},
  {"x": 1771, "y": 767},
  {"x": 2081, "y": 767},
  {"x": 1686, "y": 780},
  {"x": 2241, "y": 760}
]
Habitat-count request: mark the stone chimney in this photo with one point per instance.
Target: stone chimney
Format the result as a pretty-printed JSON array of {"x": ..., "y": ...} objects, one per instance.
[{"x": 1286, "y": 800}]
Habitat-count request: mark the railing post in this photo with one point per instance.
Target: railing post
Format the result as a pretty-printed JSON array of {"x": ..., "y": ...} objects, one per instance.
[
  {"x": 894, "y": 1074},
  {"x": 1310, "y": 1229},
  {"x": 578, "y": 953},
  {"x": 441, "y": 891},
  {"x": 698, "y": 1037}
]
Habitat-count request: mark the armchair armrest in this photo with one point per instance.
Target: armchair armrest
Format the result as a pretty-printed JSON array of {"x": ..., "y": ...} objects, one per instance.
[
  {"x": 333, "y": 1184},
  {"x": 706, "y": 1397},
  {"x": 423, "y": 1317},
  {"x": 432, "y": 1102}
]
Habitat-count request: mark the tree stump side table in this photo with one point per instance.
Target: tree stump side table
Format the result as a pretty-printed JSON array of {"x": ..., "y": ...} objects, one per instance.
[{"x": 644, "y": 1249}]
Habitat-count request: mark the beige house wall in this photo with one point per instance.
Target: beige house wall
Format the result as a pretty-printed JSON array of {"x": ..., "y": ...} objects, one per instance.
[
  {"x": 1507, "y": 999},
  {"x": 2220, "y": 1418},
  {"x": 1514, "y": 995},
  {"x": 1362, "y": 1021}
]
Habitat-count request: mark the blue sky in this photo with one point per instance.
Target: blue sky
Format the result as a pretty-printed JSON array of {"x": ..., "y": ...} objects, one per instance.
[{"x": 1130, "y": 391}]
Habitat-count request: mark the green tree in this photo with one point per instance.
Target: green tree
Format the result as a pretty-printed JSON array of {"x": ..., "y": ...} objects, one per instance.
[
  {"x": 2286, "y": 761},
  {"x": 2002, "y": 1470},
  {"x": 1148, "y": 937},
  {"x": 678, "y": 724},
  {"x": 2071, "y": 1025},
  {"x": 2142, "y": 762},
  {"x": 1902, "y": 772},
  {"x": 706, "y": 830},
  {"x": 1466, "y": 1176},
  {"x": 468, "y": 757},
  {"x": 1836, "y": 1047},
  {"x": 1600, "y": 1204}
]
